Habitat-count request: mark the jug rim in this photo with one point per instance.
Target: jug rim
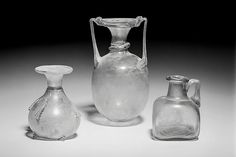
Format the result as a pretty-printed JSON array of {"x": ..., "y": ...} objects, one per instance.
[{"x": 177, "y": 78}]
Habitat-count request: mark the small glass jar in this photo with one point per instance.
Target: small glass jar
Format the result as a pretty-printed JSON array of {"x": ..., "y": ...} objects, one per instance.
[{"x": 53, "y": 116}]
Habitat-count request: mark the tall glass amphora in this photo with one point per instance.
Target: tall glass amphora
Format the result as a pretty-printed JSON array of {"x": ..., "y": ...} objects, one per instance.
[{"x": 120, "y": 82}]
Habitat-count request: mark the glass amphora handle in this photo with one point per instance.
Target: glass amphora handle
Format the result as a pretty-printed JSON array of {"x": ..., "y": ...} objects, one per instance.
[
  {"x": 143, "y": 62},
  {"x": 97, "y": 57},
  {"x": 196, "y": 96}
]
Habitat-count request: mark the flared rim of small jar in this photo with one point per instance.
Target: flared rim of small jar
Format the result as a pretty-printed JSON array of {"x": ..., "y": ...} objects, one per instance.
[
  {"x": 54, "y": 69},
  {"x": 119, "y": 22},
  {"x": 177, "y": 78}
]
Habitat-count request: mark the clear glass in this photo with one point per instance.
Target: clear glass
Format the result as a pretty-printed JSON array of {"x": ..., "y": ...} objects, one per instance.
[
  {"x": 120, "y": 79},
  {"x": 176, "y": 116},
  {"x": 53, "y": 116}
]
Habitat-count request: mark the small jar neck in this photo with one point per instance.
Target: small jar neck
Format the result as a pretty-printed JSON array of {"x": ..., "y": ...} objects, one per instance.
[
  {"x": 54, "y": 81},
  {"x": 54, "y": 92},
  {"x": 177, "y": 89}
]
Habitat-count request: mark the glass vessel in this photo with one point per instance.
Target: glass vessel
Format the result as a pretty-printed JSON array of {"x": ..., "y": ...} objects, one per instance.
[
  {"x": 176, "y": 116},
  {"x": 52, "y": 116},
  {"x": 120, "y": 79}
]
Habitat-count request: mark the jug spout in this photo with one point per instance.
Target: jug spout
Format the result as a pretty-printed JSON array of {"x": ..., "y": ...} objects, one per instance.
[{"x": 177, "y": 86}]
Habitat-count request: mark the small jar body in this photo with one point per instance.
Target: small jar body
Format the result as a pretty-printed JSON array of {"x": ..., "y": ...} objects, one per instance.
[
  {"x": 175, "y": 118},
  {"x": 120, "y": 88},
  {"x": 53, "y": 116}
]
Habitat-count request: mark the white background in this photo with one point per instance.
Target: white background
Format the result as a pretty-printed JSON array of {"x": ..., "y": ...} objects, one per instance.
[{"x": 20, "y": 88}]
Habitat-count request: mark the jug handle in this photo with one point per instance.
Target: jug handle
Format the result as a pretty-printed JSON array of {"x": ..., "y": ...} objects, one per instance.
[
  {"x": 196, "y": 96},
  {"x": 143, "y": 61},
  {"x": 97, "y": 56}
]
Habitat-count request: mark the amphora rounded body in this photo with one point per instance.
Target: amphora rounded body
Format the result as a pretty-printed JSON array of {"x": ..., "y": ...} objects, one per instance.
[{"x": 120, "y": 88}]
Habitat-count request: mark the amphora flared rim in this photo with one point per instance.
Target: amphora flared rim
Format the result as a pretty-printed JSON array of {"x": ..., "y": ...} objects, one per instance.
[{"x": 119, "y": 22}]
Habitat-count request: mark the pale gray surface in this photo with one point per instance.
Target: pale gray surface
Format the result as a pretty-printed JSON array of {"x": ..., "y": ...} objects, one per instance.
[{"x": 21, "y": 87}]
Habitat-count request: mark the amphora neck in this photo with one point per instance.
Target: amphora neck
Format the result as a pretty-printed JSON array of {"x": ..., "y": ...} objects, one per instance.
[
  {"x": 119, "y": 36},
  {"x": 119, "y": 28}
]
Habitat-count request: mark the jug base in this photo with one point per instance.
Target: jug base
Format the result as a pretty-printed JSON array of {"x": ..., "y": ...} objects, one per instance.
[
  {"x": 175, "y": 133},
  {"x": 173, "y": 139}
]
